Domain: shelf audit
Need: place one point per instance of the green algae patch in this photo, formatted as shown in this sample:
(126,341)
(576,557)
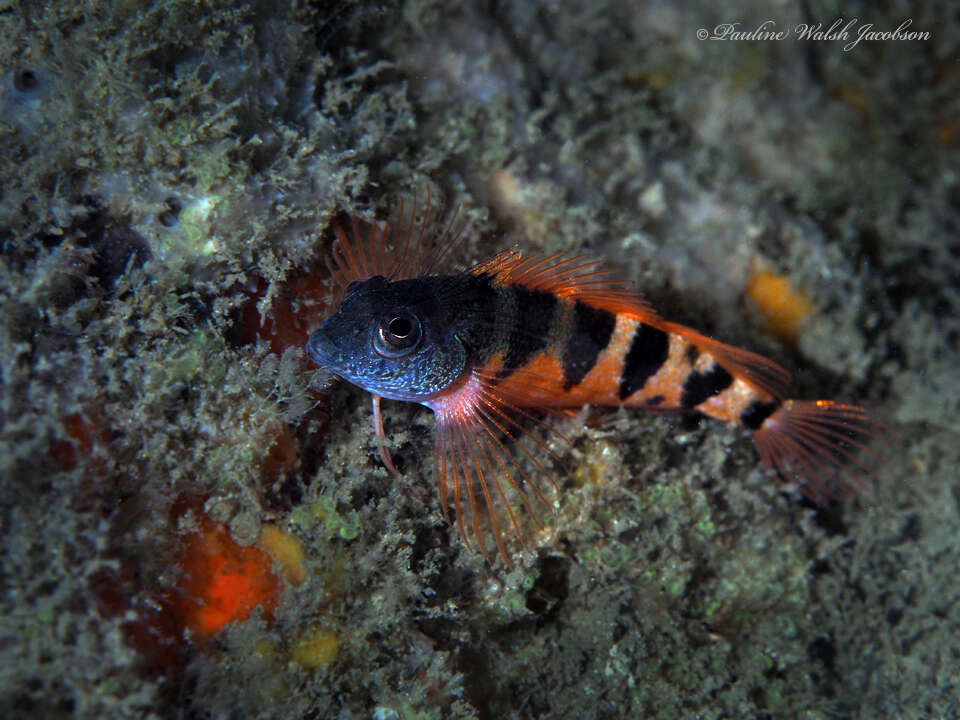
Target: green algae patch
(324,513)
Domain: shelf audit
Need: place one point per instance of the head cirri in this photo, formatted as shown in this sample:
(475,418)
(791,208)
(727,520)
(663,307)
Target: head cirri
(393,339)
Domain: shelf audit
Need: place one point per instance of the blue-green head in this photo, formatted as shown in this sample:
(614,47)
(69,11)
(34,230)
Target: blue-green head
(394,339)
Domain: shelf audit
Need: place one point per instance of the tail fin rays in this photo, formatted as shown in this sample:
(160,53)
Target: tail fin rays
(822,446)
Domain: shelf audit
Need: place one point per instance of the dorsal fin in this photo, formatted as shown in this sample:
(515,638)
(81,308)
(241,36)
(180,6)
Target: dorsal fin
(762,373)
(400,248)
(577,277)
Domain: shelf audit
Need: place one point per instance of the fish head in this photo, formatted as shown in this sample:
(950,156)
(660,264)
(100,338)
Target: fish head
(393,339)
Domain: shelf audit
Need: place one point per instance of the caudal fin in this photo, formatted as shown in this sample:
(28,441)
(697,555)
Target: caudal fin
(822,446)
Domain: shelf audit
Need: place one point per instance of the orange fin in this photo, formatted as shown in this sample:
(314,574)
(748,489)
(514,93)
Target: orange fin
(823,446)
(399,249)
(578,277)
(762,373)
(485,480)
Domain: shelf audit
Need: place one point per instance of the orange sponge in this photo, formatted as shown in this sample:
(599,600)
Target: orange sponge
(223,581)
(783,307)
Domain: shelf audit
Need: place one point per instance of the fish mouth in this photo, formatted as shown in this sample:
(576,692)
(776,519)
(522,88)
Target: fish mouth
(320,348)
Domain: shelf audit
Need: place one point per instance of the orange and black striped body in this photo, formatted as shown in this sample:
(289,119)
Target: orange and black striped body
(553,351)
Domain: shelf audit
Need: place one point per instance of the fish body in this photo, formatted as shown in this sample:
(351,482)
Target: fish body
(484,347)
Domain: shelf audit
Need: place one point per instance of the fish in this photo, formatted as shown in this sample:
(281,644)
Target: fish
(496,349)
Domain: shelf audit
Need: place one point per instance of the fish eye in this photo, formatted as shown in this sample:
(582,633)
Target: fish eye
(397,336)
